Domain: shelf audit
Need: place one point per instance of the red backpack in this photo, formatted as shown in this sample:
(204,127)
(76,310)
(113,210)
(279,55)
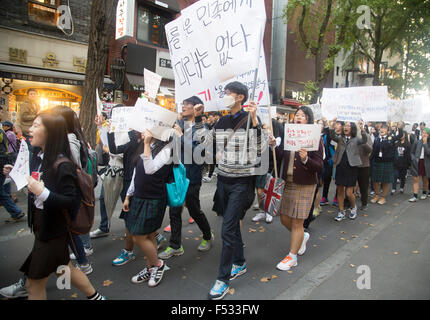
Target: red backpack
(84,219)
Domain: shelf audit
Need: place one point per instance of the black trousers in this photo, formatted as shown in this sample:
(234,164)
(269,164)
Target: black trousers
(192,201)
(363,184)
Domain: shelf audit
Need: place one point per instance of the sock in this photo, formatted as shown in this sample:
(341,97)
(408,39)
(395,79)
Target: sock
(294,256)
(424,191)
(416,195)
(95,296)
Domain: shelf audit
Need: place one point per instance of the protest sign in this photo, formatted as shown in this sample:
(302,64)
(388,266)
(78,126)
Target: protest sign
(21,169)
(212,42)
(405,110)
(263,114)
(302,136)
(121,117)
(103,132)
(150,116)
(152,82)
(347,104)
(99,103)
(316,109)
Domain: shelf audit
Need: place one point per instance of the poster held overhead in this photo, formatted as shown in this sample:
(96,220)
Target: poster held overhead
(152,82)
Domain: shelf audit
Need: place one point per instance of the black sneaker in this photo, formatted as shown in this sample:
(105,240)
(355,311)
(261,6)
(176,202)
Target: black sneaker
(363,207)
(156,274)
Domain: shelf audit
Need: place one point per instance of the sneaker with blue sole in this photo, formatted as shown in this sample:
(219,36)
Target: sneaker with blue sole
(237,271)
(124,257)
(218,291)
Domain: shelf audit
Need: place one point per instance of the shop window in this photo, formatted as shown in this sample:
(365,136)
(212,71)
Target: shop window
(43,11)
(150,26)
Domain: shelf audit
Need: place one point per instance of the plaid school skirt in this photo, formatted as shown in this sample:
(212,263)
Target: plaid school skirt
(297,200)
(145,215)
(382,172)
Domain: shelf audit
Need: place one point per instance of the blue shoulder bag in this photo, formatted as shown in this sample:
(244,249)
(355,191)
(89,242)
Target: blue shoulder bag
(177,190)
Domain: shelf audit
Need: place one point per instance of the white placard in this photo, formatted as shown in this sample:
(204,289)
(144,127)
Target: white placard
(405,110)
(103,132)
(263,114)
(152,82)
(212,42)
(302,136)
(21,169)
(347,103)
(121,118)
(316,109)
(99,103)
(150,116)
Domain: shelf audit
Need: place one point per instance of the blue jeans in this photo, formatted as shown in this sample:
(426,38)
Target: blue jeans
(231,197)
(5,199)
(78,249)
(104,222)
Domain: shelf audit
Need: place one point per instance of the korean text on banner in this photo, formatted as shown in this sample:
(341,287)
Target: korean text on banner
(121,118)
(347,104)
(21,169)
(152,82)
(157,119)
(405,110)
(214,41)
(302,136)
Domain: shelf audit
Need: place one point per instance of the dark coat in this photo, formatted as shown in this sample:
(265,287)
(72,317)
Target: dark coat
(304,174)
(64,195)
(415,157)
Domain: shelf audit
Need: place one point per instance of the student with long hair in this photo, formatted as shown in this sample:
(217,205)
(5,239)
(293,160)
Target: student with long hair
(53,194)
(80,244)
(301,171)
(347,159)
(420,165)
(145,204)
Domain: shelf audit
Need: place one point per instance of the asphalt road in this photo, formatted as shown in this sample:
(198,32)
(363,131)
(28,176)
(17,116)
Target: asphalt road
(391,242)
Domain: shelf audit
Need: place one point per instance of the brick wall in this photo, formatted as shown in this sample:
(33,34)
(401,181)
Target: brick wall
(14,14)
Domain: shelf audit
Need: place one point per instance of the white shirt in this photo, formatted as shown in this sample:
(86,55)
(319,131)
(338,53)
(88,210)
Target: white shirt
(39,200)
(151,165)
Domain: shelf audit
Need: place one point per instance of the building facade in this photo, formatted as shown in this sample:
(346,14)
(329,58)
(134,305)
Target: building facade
(36,53)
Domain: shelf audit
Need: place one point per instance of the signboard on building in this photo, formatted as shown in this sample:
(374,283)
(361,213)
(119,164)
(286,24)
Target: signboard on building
(124,19)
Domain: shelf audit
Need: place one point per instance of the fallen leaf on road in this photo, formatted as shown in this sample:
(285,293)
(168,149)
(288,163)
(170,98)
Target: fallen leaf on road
(107,283)
(330,211)
(21,230)
(416,251)
(265,279)
(261,229)
(257,223)
(184,277)
(315,246)
(347,240)
(343,232)
(252,230)
(365,215)
(352,265)
(190,231)
(231,291)
(290,272)
(342,239)
(196,238)
(388,211)
(324,236)
(366,247)
(74,296)
(121,239)
(186,238)
(371,225)
(274,277)
(198,258)
(400,223)
(396,253)
(396,204)
(355,280)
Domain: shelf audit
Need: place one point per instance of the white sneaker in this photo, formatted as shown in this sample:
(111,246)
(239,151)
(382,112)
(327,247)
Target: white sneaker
(286,264)
(413,199)
(340,216)
(259,217)
(98,233)
(16,290)
(353,213)
(207,179)
(88,252)
(423,197)
(303,247)
(269,218)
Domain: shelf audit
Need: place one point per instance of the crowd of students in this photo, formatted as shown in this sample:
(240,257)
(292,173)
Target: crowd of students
(356,156)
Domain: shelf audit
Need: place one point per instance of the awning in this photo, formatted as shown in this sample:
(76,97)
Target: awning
(135,79)
(13,71)
(291,102)
(165,91)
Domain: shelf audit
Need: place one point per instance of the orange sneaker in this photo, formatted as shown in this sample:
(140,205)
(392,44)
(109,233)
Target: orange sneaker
(374,199)
(190,220)
(167,229)
(286,264)
(382,201)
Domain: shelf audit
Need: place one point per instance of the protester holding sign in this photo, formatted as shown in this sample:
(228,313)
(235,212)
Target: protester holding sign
(50,192)
(383,155)
(236,178)
(300,172)
(146,203)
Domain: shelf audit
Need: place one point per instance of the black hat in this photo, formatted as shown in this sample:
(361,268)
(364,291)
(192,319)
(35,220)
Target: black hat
(8,123)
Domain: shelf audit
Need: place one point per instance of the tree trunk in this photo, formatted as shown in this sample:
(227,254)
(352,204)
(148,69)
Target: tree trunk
(101,28)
